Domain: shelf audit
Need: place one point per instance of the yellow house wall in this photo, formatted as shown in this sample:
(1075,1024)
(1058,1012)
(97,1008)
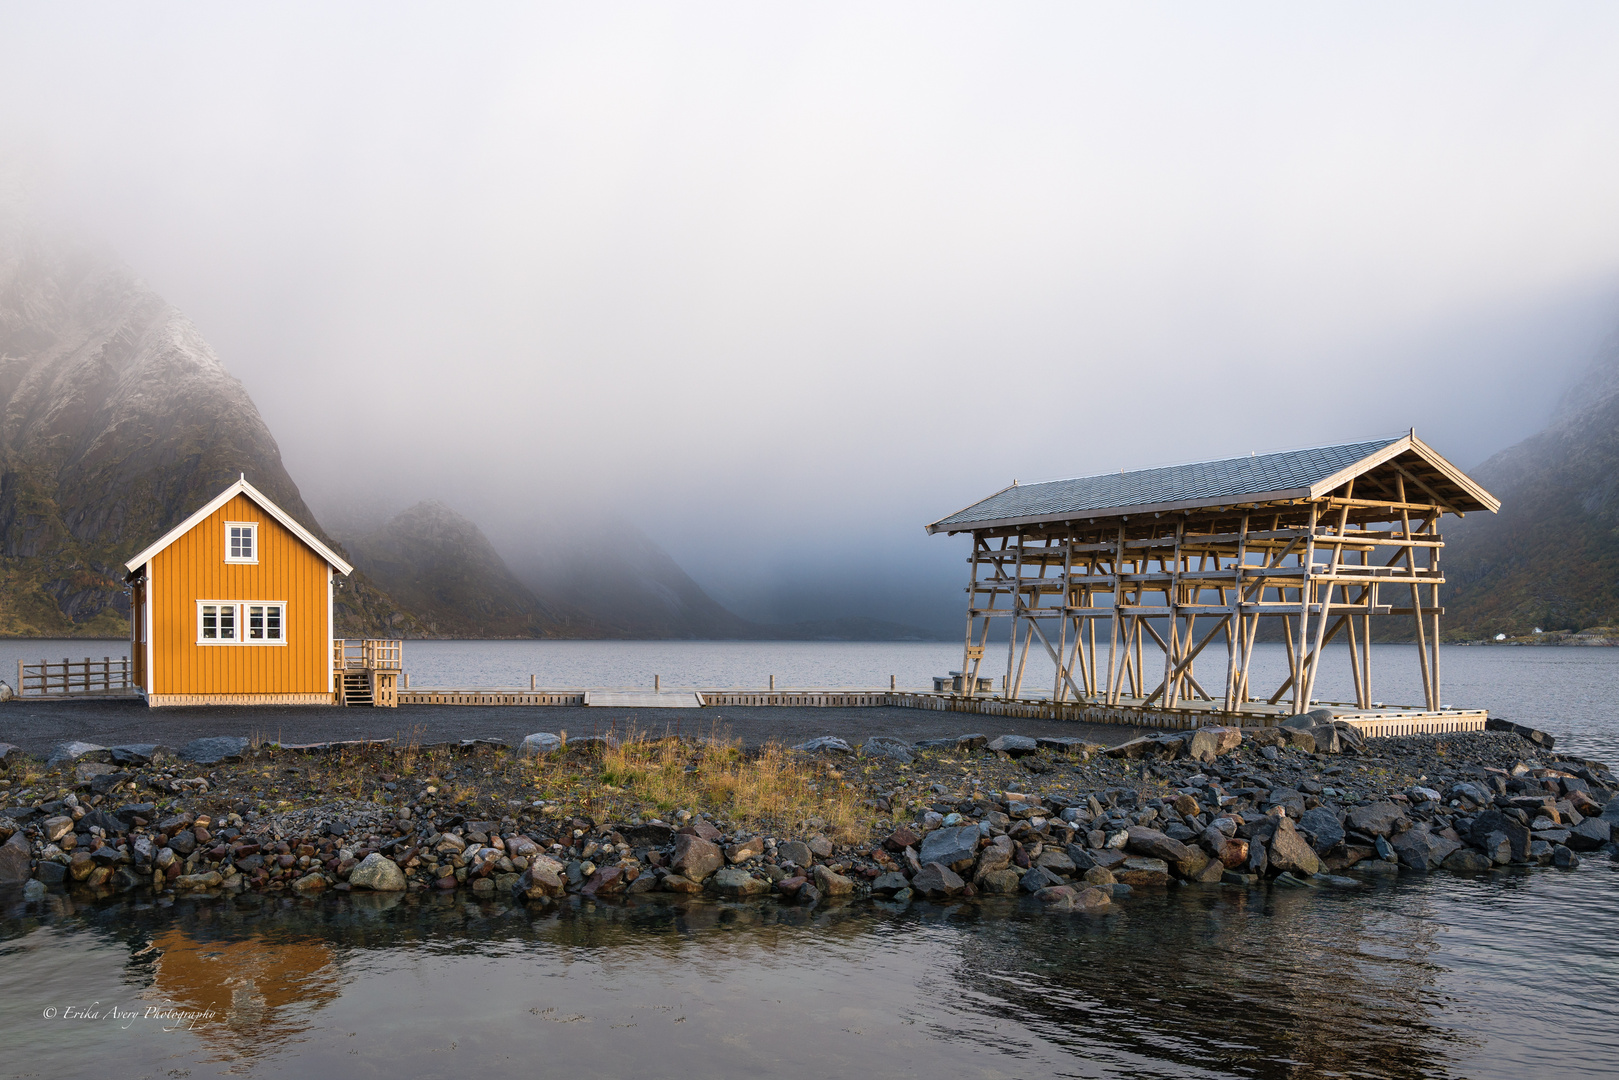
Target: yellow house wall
(193,568)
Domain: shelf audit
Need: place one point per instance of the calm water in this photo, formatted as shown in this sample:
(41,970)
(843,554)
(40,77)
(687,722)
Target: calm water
(1516,976)
(1421,978)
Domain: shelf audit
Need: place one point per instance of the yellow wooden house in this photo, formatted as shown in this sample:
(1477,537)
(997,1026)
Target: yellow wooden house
(234,607)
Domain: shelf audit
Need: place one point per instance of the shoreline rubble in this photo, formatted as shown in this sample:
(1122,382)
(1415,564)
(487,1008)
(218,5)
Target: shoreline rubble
(1075,826)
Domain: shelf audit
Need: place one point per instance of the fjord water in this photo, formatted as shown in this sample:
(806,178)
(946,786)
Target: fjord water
(1510,975)
(1428,977)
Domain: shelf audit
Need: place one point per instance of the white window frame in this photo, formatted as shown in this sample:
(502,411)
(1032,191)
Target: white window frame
(252,528)
(240,613)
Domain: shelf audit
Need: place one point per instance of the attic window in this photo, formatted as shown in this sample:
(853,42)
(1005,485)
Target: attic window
(241,542)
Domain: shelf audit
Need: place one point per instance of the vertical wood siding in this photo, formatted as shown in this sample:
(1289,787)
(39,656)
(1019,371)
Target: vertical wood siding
(193,568)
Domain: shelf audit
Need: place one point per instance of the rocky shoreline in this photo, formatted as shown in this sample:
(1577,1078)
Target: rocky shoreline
(1073,825)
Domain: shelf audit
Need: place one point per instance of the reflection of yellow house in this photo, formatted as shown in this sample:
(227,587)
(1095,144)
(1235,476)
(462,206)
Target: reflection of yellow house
(234,606)
(259,990)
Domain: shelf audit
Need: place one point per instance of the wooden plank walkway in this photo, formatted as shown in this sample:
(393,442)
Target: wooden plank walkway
(643,699)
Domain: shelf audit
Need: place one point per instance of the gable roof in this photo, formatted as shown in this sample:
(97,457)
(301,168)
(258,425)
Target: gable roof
(241,487)
(1290,474)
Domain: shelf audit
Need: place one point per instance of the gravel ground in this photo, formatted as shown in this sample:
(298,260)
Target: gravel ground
(37,726)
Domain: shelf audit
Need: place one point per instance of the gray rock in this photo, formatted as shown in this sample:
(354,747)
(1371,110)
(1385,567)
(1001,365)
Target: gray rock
(77,751)
(820,846)
(140,753)
(649,835)
(830,883)
(1288,799)
(1038,878)
(6,692)
(735,881)
(796,852)
(1589,834)
(937,882)
(1467,861)
(1014,745)
(214,749)
(975,741)
(33,890)
(50,872)
(1610,813)
(1289,854)
(995,856)
(1565,858)
(695,858)
(1375,819)
(1491,822)
(1208,743)
(15,860)
(889,884)
(1321,825)
(1312,732)
(1066,744)
(951,847)
(9,752)
(54,828)
(183,842)
(888,747)
(1057,862)
(539,744)
(1497,847)
(825,744)
(1421,850)
(1141,840)
(378,873)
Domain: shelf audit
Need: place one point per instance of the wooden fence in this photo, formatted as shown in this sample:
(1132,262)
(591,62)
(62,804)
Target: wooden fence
(74,678)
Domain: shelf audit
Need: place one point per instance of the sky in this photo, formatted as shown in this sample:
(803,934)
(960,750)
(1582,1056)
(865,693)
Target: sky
(781,283)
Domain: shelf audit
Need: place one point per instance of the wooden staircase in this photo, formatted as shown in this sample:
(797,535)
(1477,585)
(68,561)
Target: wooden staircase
(357,689)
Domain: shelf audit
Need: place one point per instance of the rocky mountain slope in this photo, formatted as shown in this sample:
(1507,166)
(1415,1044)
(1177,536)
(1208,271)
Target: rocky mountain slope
(1550,559)
(118,421)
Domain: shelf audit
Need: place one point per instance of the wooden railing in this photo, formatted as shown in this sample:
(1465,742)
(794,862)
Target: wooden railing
(74,678)
(366,654)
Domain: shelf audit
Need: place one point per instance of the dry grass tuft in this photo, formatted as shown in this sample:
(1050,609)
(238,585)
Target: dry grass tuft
(770,788)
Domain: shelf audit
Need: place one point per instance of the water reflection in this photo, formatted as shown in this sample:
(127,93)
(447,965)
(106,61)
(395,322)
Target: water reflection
(1189,982)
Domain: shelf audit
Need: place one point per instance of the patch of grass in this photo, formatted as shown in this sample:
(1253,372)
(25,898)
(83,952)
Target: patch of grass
(769,788)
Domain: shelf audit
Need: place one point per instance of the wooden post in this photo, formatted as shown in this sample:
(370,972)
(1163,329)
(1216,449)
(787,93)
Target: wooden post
(533,681)
(657,683)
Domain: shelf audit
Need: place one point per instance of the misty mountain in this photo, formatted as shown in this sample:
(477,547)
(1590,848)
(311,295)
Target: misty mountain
(438,564)
(623,581)
(119,421)
(1551,557)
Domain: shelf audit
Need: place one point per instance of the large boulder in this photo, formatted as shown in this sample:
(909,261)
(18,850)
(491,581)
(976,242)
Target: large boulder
(996,855)
(1014,745)
(1137,871)
(1491,822)
(1208,743)
(544,876)
(937,882)
(1159,747)
(1419,849)
(695,858)
(955,848)
(1322,827)
(735,881)
(378,873)
(539,744)
(77,751)
(888,747)
(214,749)
(831,883)
(1141,840)
(15,860)
(1288,853)
(1375,819)
(1589,835)
(825,744)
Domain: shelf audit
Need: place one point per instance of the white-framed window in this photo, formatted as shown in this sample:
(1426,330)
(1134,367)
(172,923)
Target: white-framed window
(235,622)
(241,541)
